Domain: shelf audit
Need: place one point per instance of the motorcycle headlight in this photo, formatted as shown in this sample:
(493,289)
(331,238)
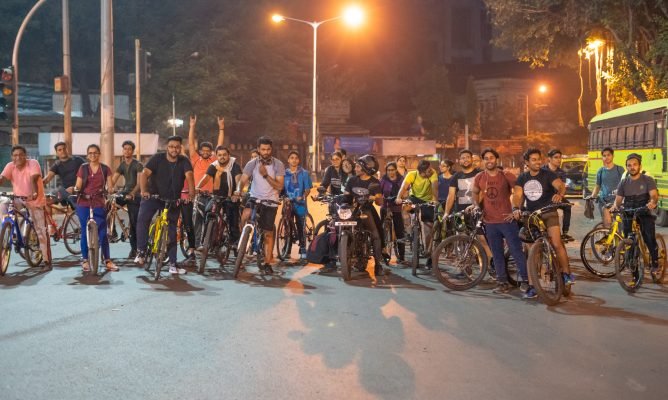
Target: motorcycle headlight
(345,213)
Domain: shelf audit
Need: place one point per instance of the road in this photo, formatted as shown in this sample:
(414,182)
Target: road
(305,335)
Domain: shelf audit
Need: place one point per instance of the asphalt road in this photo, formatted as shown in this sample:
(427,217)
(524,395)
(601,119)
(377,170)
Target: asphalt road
(304,335)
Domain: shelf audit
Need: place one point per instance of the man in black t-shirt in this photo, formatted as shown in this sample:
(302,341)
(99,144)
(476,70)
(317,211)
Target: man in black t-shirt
(129,168)
(164,175)
(540,188)
(65,168)
(639,190)
(225,173)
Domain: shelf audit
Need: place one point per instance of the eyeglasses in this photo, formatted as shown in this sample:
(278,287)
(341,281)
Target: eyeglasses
(94,153)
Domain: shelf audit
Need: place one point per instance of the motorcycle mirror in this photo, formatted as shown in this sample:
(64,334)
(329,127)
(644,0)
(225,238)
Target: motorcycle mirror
(321,190)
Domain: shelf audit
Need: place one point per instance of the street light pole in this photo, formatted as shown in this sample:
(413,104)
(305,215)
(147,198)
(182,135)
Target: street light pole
(527,113)
(173,115)
(67,73)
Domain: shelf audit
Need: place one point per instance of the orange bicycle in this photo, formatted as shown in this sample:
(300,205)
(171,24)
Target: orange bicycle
(69,229)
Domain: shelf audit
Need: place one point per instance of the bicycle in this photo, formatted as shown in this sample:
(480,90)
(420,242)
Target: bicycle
(92,235)
(24,241)
(252,236)
(69,229)
(632,255)
(459,261)
(597,250)
(216,238)
(417,241)
(390,235)
(115,221)
(287,232)
(158,237)
(545,273)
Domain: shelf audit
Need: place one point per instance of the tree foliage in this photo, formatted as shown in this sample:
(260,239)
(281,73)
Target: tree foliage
(552,31)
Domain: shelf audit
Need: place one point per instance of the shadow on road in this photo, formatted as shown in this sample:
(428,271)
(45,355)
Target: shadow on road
(593,306)
(169,284)
(277,281)
(89,279)
(28,276)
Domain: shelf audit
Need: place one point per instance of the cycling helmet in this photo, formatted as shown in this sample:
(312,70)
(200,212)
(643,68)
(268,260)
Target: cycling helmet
(636,156)
(368,164)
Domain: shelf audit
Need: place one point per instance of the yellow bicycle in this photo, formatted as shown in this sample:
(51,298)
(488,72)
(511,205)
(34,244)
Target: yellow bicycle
(158,237)
(597,250)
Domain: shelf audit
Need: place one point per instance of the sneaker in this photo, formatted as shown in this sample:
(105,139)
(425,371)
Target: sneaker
(111,266)
(85,266)
(524,287)
(386,258)
(173,269)
(569,279)
(501,288)
(140,259)
(133,254)
(302,253)
(530,293)
(566,237)
(266,269)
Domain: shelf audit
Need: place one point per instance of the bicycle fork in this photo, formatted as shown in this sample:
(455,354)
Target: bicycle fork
(249,243)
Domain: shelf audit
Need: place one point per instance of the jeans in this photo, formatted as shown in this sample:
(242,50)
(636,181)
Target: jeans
(511,232)
(370,224)
(647,230)
(187,219)
(100,217)
(147,210)
(398,222)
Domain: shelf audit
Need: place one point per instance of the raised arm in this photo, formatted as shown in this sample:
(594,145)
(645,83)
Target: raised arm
(221,131)
(192,142)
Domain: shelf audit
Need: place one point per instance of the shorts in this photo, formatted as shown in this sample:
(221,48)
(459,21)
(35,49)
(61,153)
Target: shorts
(266,217)
(550,219)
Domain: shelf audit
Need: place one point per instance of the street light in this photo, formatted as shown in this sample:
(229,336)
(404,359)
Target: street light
(352,16)
(542,89)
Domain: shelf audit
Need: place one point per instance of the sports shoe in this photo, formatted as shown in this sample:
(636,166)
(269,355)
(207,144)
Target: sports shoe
(501,288)
(530,293)
(566,237)
(140,259)
(386,258)
(302,253)
(111,266)
(569,279)
(85,266)
(173,269)
(266,269)
(524,287)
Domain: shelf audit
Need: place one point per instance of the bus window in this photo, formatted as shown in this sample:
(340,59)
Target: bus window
(639,137)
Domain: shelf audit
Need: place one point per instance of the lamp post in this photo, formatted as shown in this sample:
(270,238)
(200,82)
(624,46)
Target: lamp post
(542,89)
(352,16)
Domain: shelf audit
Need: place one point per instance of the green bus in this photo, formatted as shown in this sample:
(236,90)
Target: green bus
(639,128)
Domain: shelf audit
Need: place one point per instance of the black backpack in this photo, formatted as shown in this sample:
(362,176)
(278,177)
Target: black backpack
(322,249)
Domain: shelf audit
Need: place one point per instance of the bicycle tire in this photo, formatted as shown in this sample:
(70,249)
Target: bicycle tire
(345,257)
(259,256)
(320,227)
(242,249)
(183,237)
(284,239)
(309,229)
(32,250)
(388,237)
(93,243)
(599,258)
(112,232)
(539,268)
(209,233)
(5,247)
(224,247)
(512,270)
(415,256)
(72,234)
(457,268)
(149,248)
(163,241)
(628,261)
(661,248)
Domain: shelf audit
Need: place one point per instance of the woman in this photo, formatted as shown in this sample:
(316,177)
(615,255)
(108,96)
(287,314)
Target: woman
(401,165)
(390,184)
(347,166)
(334,175)
(445,179)
(93,179)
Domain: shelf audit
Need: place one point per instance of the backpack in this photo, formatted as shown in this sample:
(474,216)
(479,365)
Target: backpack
(323,248)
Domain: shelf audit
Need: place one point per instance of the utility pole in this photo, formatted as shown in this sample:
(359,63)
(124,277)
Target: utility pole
(107,83)
(138,96)
(67,72)
(173,115)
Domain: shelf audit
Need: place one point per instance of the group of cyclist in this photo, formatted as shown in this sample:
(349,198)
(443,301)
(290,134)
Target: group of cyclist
(479,184)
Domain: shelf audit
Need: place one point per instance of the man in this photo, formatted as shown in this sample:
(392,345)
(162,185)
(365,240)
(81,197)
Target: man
(476,160)
(554,164)
(129,168)
(423,185)
(225,173)
(491,192)
(607,181)
(201,159)
(638,190)
(365,178)
(66,168)
(268,175)
(297,187)
(164,175)
(462,183)
(26,178)
(540,188)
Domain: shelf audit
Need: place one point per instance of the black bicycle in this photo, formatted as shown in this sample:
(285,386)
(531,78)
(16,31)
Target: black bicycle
(216,238)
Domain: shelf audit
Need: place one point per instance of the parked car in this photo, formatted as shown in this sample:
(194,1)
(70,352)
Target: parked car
(575,169)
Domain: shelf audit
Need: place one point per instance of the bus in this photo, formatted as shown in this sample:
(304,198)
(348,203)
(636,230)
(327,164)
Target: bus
(639,128)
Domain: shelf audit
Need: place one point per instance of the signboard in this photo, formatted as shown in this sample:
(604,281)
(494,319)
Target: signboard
(408,147)
(352,145)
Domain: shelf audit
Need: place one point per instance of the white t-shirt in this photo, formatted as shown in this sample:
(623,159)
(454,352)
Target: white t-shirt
(261,189)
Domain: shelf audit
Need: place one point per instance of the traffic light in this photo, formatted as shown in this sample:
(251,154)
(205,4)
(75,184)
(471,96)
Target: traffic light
(7,86)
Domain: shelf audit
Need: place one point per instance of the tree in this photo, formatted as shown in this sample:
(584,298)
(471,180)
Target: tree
(434,101)
(472,108)
(552,31)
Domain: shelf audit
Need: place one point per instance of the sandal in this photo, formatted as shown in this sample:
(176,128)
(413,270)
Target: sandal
(85,266)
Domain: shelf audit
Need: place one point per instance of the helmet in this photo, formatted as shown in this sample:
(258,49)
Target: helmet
(368,164)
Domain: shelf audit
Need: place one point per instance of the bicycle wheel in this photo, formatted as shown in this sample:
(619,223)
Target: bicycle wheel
(149,248)
(388,238)
(72,234)
(224,245)
(597,252)
(545,272)
(242,249)
(182,237)
(32,251)
(93,246)
(309,229)
(416,250)
(5,246)
(112,230)
(160,257)
(322,225)
(207,241)
(345,255)
(661,247)
(629,265)
(284,239)
(459,262)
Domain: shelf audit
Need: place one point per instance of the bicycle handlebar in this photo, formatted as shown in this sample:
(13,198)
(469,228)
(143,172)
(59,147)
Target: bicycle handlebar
(13,196)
